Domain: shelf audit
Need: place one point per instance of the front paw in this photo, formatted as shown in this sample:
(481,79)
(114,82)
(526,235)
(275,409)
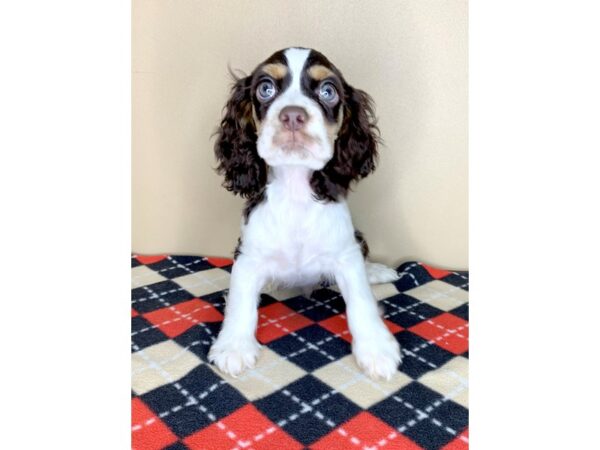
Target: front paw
(235,354)
(379,356)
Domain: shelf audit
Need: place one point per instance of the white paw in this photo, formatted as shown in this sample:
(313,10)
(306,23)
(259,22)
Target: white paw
(234,355)
(379,273)
(307,291)
(378,357)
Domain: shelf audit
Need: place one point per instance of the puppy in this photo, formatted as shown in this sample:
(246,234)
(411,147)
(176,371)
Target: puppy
(294,136)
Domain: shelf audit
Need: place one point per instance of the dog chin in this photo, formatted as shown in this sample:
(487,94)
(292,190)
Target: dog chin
(295,146)
(298,155)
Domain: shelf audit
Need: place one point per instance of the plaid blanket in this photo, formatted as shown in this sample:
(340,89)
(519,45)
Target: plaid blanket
(306,390)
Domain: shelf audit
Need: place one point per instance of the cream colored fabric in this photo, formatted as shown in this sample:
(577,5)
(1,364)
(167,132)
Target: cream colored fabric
(411,56)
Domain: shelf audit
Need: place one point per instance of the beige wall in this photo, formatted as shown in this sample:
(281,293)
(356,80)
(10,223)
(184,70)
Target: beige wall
(411,56)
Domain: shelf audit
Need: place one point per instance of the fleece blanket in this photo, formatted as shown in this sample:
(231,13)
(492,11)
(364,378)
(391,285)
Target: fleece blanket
(306,390)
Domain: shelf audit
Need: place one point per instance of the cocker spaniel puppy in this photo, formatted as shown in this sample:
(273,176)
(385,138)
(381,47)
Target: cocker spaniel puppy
(294,137)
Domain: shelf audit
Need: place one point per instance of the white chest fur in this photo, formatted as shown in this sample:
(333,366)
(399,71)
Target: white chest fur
(293,238)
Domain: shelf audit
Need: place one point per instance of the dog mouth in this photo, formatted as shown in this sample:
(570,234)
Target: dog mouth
(293,141)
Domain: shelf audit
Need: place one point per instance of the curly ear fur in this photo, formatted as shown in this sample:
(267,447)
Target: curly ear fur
(244,171)
(355,152)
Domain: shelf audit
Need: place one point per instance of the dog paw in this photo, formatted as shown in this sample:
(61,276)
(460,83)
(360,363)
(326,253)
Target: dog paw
(378,357)
(379,273)
(234,355)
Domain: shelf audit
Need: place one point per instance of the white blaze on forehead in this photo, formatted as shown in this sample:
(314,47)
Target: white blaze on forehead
(296,58)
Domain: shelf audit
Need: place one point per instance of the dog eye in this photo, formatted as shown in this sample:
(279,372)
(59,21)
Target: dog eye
(328,93)
(265,91)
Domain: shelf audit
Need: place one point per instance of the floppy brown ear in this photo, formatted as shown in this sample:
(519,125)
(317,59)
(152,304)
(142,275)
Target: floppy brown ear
(235,148)
(355,150)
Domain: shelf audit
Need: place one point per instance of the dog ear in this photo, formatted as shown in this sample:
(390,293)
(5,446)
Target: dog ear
(355,149)
(235,148)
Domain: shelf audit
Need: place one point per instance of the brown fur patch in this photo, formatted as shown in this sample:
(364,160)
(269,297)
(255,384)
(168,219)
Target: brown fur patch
(360,239)
(334,128)
(319,72)
(276,70)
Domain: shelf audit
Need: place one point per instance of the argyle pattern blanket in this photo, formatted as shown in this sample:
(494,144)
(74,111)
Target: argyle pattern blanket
(306,390)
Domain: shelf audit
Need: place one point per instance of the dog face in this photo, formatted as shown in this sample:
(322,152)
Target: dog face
(296,109)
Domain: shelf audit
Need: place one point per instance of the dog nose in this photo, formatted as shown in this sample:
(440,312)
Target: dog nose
(293,117)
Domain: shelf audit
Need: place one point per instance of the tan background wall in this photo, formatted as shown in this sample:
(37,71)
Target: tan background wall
(411,56)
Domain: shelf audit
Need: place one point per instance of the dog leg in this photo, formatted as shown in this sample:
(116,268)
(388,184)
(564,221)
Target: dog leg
(376,350)
(236,347)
